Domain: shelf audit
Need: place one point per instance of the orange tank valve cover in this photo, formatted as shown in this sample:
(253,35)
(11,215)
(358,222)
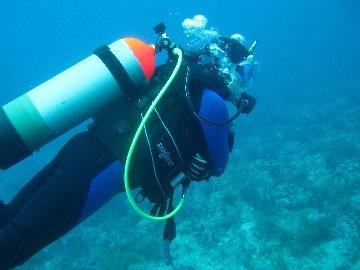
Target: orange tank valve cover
(144,53)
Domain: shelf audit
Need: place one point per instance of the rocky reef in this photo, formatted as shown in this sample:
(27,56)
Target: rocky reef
(290,199)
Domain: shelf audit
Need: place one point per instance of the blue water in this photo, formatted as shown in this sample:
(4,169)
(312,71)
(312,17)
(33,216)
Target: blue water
(290,198)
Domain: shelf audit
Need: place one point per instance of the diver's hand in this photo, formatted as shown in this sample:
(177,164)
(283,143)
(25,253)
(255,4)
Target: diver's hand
(245,103)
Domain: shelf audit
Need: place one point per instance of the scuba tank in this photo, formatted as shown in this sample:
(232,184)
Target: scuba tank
(71,97)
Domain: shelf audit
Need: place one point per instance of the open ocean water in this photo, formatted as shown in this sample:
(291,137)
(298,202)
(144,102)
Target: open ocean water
(290,197)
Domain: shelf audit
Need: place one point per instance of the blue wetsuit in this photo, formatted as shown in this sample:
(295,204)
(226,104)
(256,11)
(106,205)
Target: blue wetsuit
(84,176)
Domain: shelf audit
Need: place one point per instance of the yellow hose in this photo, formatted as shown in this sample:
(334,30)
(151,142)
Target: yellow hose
(130,154)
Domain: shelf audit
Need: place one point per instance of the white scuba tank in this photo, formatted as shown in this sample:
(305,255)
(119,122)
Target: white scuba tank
(57,105)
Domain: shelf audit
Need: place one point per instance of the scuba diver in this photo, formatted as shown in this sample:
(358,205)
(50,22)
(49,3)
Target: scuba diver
(186,138)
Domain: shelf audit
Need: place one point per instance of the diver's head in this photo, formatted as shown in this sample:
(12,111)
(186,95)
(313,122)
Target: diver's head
(230,61)
(221,63)
(224,61)
(233,47)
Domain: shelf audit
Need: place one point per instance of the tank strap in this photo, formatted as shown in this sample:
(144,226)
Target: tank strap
(117,70)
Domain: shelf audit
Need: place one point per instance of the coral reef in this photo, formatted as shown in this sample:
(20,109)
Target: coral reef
(290,199)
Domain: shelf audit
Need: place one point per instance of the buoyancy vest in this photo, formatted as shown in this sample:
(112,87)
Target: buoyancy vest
(171,136)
